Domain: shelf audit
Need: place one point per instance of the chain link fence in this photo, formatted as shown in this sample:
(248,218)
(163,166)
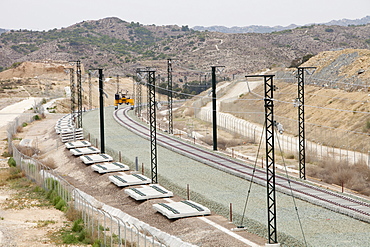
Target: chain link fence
(107,225)
(287,143)
(101,221)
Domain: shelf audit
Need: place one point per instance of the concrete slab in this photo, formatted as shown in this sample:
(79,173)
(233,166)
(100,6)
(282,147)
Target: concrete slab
(147,192)
(71,131)
(110,167)
(72,138)
(84,151)
(123,179)
(174,210)
(78,144)
(59,129)
(95,158)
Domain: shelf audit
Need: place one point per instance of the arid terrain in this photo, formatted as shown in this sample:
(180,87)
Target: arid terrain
(48,79)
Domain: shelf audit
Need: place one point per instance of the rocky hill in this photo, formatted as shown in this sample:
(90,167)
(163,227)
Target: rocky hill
(267,29)
(336,97)
(119,47)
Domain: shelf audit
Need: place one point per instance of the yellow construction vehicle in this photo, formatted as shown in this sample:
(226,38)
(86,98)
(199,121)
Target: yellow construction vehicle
(120,98)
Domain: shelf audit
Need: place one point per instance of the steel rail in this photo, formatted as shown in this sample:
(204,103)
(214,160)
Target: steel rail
(340,203)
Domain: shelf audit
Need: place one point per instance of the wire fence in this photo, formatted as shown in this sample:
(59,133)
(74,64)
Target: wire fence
(105,223)
(101,221)
(289,143)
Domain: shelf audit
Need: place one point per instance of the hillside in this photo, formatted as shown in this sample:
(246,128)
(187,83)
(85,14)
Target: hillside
(119,46)
(336,97)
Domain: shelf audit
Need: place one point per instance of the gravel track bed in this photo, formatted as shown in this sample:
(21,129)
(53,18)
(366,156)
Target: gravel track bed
(216,190)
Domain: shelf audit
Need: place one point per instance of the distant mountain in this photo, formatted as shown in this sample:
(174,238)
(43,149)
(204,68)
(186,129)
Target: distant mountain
(267,29)
(119,47)
(3,30)
(247,29)
(347,22)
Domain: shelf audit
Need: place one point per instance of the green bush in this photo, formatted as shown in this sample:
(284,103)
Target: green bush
(97,243)
(36,117)
(51,195)
(77,225)
(24,124)
(56,200)
(61,205)
(11,162)
(82,236)
(69,239)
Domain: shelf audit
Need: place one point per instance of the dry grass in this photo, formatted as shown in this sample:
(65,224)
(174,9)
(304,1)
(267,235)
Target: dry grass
(355,177)
(28,151)
(189,112)
(72,214)
(10,174)
(223,143)
(19,129)
(4,175)
(49,162)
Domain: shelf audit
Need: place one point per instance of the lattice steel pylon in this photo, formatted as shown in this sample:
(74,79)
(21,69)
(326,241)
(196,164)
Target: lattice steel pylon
(170,99)
(72,87)
(79,94)
(139,90)
(152,121)
(270,157)
(301,130)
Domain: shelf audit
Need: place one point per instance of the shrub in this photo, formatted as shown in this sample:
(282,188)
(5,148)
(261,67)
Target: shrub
(69,239)
(11,162)
(49,162)
(6,154)
(36,117)
(72,214)
(367,125)
(61,205)
(51,195)
(77,225)
(81,237)
(56,200)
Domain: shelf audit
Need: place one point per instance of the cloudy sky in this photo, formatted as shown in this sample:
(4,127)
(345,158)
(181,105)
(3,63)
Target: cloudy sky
(49,14)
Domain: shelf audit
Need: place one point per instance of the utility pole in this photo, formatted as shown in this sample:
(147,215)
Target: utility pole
(214,106)
(170,100)
(101,107)
(90,91)
(270,158)
(117,83)
(301,129)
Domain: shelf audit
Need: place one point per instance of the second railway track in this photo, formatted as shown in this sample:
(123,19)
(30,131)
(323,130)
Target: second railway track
(304,190)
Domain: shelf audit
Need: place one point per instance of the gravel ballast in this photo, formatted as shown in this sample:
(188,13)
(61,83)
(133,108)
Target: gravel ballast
(216,190)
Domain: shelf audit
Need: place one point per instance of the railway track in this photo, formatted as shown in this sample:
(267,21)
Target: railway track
(337,202)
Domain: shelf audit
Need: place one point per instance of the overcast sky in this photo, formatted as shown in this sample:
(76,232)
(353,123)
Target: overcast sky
(49,14)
